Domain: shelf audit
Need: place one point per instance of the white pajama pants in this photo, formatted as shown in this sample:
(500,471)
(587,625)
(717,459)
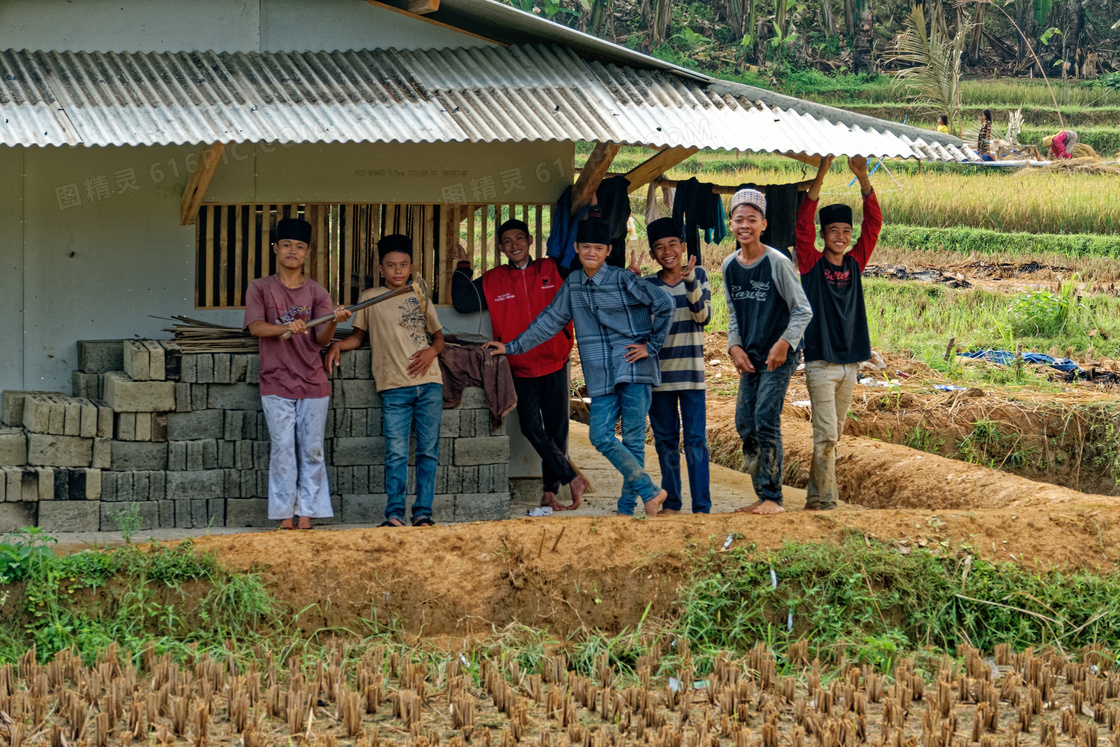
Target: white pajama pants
(297,467)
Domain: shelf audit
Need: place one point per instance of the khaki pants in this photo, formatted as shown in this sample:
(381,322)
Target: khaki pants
(830,391)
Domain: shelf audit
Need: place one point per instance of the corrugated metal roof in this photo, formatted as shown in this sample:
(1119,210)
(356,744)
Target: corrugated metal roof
(531,92)
(505,24)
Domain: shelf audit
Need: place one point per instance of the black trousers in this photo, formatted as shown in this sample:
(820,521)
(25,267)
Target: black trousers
(542,412)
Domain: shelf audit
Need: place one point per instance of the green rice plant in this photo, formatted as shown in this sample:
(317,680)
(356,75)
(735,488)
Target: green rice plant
(1011,92)
(1021,245)
(923,439)
(1041,312)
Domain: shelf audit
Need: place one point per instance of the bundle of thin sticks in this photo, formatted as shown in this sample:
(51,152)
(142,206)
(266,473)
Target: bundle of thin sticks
(197,336)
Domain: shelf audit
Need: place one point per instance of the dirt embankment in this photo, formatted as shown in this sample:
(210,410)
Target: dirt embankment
(874,474)
(562,574)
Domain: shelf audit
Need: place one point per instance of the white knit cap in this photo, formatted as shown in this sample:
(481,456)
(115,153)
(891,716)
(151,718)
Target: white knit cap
(751,197)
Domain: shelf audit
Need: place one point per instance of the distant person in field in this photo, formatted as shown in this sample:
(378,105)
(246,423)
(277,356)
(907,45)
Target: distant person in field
(678,404)
(984,139)
(1060,145)
(767,316)
(295,391)
(621,323)
(943,123)
(516,293)
(837,339)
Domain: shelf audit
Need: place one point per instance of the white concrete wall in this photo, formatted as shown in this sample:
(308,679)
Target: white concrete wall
(219,25)
(298,25)
(102,268)
(11,267)
(392,172)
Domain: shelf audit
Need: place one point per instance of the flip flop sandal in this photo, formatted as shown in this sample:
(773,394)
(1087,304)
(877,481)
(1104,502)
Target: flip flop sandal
(423,521)
(389,523)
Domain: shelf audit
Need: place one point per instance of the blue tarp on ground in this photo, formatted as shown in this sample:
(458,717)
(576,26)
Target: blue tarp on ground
(1007,358)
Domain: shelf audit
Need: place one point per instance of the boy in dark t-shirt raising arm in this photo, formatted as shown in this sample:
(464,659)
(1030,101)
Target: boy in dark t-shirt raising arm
(837,339)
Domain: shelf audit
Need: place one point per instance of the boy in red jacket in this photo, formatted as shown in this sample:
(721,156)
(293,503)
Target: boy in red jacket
(837,338)
(516,293)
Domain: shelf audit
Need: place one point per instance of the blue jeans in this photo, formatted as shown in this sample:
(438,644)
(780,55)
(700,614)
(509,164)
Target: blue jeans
(758,419)
(630,402)
(422,405)
(669,411)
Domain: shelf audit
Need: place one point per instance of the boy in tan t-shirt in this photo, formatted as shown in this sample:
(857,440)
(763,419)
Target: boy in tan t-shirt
(407,377)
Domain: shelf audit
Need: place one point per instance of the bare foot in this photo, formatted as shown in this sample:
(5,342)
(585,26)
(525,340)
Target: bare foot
(748,509)
(578,487)
(668,512)
(549,500)
(653,505)
(286,524)
(304,522)
(765,508)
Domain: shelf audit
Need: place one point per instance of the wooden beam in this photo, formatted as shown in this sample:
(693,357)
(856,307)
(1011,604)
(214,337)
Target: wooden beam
(648,170)
(208,159)
(421,7)
(597,166)
(814,161)
(405,12)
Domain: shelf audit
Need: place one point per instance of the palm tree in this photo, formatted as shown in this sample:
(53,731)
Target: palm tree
(932,76)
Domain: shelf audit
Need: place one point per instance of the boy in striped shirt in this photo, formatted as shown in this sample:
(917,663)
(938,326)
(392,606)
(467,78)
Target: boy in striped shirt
(679,401)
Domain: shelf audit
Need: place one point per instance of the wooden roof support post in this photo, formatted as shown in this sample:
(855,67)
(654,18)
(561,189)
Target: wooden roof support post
(648,170)
(193,195)
(597,166)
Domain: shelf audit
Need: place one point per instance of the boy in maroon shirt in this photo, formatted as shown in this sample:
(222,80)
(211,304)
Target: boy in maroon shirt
(295,392)
(836,340)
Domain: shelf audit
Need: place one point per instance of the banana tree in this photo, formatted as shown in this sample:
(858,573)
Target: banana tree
(863,55)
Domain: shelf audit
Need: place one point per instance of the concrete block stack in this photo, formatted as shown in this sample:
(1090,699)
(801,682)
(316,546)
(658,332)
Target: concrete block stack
(53,448)
(180,435)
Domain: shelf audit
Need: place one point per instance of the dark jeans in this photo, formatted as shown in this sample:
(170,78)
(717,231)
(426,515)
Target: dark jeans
(669,411)
(758,419)
(542,413)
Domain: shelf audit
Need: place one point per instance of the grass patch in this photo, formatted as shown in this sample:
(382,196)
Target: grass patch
(870,602)
(173,598)
(994,445)
(921,318)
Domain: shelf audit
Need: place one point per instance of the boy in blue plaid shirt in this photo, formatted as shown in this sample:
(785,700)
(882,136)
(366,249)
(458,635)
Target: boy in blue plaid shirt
(621,323)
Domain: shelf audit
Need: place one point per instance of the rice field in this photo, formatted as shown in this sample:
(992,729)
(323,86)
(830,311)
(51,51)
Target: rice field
(1036,201)
(1008,92)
